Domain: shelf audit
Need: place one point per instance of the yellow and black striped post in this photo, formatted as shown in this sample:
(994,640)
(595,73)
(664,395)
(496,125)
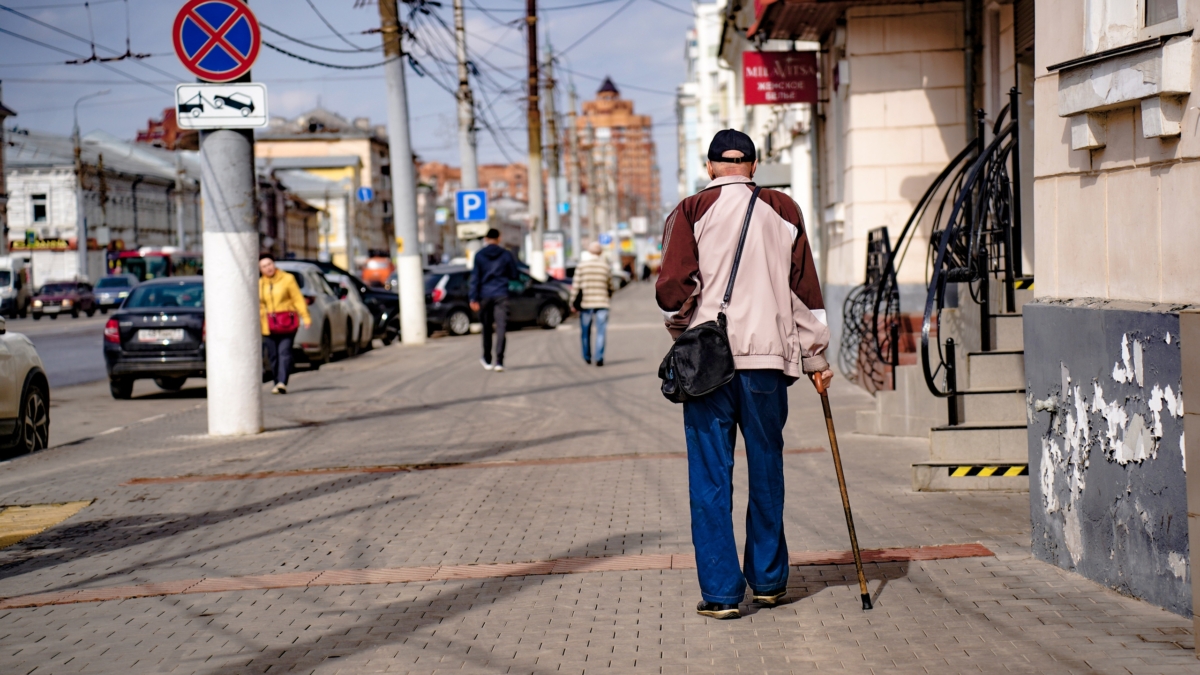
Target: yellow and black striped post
(837,465)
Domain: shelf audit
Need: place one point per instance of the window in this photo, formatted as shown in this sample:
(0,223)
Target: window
(39,207)
(1159,11)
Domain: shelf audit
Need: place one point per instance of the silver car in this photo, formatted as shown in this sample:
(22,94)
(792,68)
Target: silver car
(330,327)
(362,322)
(24,396)
(112,290)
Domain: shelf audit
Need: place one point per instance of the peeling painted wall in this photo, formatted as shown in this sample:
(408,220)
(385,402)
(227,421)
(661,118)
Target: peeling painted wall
(1108,498)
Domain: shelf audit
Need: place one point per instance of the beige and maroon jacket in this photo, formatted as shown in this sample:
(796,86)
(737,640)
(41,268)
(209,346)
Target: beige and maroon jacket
(776,315)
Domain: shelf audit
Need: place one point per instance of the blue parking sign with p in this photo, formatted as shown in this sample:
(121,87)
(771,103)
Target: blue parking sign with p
(470,206)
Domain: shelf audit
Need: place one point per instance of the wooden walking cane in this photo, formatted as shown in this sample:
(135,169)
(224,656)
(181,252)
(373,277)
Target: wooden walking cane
(837,464)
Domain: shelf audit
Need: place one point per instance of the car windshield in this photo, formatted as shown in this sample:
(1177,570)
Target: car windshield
(51,289)
(5,277)
(113,282)
(178,294)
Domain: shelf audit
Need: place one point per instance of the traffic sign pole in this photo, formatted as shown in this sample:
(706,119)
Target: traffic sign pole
(218,40)
(409,274)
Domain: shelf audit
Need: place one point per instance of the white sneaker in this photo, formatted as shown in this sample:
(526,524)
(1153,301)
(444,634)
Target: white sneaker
(498,368)
(485,364)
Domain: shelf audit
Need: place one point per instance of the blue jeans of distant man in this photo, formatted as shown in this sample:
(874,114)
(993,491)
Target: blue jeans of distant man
(586,318)
(756,401)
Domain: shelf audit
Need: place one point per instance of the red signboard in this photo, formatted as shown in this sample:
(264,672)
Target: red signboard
(774,78)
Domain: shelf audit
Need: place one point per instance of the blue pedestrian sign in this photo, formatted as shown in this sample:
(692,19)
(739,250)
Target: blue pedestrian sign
(605,239)
(365,194)
(470,206)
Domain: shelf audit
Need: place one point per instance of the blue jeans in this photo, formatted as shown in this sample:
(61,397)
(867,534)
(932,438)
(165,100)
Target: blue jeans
(756,401)
(585,327)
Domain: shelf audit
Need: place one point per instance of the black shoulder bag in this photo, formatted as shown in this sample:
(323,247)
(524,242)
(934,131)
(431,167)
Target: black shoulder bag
(701,359)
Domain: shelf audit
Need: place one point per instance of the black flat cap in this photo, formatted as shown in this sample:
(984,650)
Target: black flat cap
(731,139)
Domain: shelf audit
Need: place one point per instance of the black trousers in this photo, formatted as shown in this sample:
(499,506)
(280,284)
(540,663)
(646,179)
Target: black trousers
(494,310)
(279,351)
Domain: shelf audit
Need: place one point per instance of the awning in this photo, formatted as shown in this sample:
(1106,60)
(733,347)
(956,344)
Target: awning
(809,20)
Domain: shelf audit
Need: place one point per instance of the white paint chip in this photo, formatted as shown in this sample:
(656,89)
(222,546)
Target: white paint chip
(1178,564)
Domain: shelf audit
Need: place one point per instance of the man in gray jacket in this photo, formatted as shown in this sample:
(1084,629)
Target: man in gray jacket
(777,331)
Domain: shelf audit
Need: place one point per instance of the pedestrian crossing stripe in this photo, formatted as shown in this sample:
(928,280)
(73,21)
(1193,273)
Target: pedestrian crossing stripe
(986,471)
(1022,284)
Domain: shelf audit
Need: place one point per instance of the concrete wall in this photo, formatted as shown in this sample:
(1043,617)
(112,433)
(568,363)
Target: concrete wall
(1107,476)
(1116,240)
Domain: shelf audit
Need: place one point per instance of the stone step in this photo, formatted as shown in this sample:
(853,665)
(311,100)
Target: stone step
(996,370)
(998,405)
(992,442)
(946,476)
(873,423)
(1009,335)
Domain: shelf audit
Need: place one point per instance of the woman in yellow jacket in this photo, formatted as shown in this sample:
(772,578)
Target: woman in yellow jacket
(281,308)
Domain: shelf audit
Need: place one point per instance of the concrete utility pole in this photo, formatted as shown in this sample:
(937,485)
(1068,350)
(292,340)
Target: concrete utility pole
(409,275)
(594,191)
(466,105)
(80,215)
(4,113)
(537,258)
(552,218)
(573,177)
(234,343)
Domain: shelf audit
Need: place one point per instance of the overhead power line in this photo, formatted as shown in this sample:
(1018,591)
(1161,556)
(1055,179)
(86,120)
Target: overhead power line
(356,50)
(331,28)
(314,62)
(102,65)
(597,27)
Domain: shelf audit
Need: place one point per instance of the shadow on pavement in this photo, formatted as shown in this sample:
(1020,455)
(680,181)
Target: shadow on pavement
(394,623)
(98,537)
(806,581)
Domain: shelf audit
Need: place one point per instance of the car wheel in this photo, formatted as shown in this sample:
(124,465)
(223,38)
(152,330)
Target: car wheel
(170,383)
(104,310)
(458,323)
(91,312)
(34,420)
(54,317)
(37,317)
(326,345)
(352,341)
(391,331)
(550,316)
(121,388)
(74,312)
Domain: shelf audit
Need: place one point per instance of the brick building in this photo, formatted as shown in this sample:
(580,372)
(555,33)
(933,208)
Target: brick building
(502,181)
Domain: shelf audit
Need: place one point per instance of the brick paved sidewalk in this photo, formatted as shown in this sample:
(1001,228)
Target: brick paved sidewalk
(401,406)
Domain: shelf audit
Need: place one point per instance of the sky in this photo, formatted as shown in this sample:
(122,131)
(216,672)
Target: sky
(641,45)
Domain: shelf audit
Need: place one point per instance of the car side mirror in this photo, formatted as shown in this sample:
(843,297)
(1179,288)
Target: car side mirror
(342,293)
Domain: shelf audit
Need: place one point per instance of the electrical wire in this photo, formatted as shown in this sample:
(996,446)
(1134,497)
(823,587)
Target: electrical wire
(551,9)
(322,63)
(331,28)
(315,46)
(62,5)
(598,26)
(102,65)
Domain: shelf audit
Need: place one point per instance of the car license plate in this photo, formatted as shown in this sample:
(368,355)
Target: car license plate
(51,309)
(160,335)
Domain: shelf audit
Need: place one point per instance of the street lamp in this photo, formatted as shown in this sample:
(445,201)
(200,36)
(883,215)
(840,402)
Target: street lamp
(80,220)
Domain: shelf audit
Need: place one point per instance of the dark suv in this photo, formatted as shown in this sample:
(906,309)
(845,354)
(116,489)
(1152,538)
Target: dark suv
(158,333)
(447,305)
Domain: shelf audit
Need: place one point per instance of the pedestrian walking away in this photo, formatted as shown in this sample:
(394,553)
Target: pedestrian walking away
(281,310)
(776,331)
(494,267)
(593,288)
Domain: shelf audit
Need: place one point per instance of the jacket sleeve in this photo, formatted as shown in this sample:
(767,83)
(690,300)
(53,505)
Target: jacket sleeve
(678,285)
(808,306)
(297,299)
(473,286)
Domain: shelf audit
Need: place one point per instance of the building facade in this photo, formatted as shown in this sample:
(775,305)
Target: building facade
(348,156)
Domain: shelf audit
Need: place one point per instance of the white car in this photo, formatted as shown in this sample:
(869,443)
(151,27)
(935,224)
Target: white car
(24,396)
(330,328)
(362,322)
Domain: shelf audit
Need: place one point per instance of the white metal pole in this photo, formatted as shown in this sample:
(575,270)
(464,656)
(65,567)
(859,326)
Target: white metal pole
(553,223)
(80,215)
(180,239)
(466,105)
(233,346)
(409,273)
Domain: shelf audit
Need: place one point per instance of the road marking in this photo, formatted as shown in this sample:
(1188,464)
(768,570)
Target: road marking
(401,575)
(432,466)
(151,419)
(110,431)
(19,522)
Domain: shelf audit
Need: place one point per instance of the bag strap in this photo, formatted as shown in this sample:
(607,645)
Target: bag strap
(737,257)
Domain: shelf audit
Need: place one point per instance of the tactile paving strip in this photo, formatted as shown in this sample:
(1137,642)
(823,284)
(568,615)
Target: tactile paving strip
(400,575)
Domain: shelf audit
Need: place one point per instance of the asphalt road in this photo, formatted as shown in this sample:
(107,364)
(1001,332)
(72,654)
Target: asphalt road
(70,348)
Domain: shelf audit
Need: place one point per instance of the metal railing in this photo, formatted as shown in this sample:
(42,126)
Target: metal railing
(973,213)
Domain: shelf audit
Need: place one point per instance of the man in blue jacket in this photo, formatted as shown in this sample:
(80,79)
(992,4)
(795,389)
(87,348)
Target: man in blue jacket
(494,267)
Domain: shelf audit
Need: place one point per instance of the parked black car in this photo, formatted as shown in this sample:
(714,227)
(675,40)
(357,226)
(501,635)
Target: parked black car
(384,304)
(157,333)
(447,305)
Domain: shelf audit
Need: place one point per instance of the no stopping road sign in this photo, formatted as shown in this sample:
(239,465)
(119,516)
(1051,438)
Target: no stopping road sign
(217,40)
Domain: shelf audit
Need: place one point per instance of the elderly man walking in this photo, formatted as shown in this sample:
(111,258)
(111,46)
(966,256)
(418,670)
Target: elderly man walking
(777,330)
(593,279)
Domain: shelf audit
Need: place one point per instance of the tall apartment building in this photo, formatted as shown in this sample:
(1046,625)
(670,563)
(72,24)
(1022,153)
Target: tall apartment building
(620,162)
